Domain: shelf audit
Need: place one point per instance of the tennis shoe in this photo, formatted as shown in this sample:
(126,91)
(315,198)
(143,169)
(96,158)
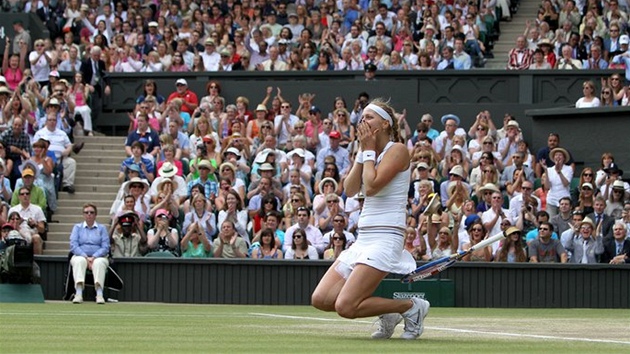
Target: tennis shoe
(100,299)
(77,299)
(386,325)
(414,318)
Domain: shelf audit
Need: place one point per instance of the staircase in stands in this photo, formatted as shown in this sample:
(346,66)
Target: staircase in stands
(96,182)
(509,31)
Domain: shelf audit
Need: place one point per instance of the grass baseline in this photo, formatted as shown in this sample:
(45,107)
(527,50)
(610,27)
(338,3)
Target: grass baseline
(157,328)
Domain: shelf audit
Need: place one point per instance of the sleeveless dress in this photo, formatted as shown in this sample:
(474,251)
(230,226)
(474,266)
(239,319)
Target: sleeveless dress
(380,240)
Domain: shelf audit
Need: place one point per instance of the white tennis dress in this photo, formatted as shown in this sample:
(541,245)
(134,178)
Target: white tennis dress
(380,241)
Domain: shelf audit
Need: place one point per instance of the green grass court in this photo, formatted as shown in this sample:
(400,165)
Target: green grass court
(133,327)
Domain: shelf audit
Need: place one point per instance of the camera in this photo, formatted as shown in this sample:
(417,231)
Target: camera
(203,150)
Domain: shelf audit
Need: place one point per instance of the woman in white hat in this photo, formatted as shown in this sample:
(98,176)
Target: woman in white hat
(384,171)
(557,179)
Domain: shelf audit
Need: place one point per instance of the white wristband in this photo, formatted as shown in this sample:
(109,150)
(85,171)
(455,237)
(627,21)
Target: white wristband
(359,158)
(369,155)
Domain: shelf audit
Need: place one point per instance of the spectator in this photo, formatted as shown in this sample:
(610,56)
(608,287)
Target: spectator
(127,237)
(169,172)
(544,249)
(590,99)
(557,179)
(561,222)
(588,247)
(566,62)
(339,228)
(163,238)
(229,244)
(232,210)
(543,159)
(299,246)
(520,57)
(195,244)
(189,98)
(61,146)
(89,246)
(143,131)
(30,172)
(311,233)
(94,73)
(617,248)
(32,215)
(511,249)
(147,168)
(268,248)
(603,222)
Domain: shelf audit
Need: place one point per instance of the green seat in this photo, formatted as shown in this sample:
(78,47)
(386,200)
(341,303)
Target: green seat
(575,182)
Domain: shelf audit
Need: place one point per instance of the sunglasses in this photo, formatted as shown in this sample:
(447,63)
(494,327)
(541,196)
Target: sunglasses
(476,229)
(297,237)
(543,229)
(89,212)
(25,193)
(338,239)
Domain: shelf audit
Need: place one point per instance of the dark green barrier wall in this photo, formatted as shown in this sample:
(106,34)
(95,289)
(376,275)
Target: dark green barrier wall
(262,282)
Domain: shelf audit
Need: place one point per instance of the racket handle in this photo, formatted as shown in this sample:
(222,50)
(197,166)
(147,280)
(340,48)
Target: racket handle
(489,241)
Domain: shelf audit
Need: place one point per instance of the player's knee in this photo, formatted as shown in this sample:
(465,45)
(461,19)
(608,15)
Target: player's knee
(346,309)
(318,300)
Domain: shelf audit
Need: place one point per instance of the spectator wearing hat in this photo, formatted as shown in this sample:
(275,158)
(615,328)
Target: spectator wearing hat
(61,146)
(31,214)
(211,187)
(168,171)
(589,246)
(508,145)
(615,200)
(211,58)
(189,99)
(143,131)
(557,179)
(444,142)
(146,166)
(613,174)
(137,188)
(370,72)
(314,124)
(266,170)
(226,63)
(456,174)
(163,238)
(59,106)
(543,159)
(127,237)
(342,156)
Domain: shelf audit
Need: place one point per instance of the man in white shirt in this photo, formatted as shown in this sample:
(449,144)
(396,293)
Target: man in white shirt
(62,147)
(283,124)
(210,57)
(33,216)
(313,235)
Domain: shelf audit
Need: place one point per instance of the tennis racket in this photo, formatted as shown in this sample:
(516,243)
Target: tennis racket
(438,265)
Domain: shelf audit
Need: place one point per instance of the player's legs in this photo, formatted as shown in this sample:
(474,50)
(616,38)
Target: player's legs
(355,298)
(326,292)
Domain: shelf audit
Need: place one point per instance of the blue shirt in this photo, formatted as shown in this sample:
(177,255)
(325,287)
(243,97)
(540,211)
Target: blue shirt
(533,234)
(210,187)
(89,241)
(154,139)
(342,158)
(130,161)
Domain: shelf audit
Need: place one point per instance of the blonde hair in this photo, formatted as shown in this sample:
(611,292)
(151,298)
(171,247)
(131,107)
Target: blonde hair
(394,131)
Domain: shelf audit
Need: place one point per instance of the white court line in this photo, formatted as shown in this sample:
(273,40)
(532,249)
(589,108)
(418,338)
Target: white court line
(505,334)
